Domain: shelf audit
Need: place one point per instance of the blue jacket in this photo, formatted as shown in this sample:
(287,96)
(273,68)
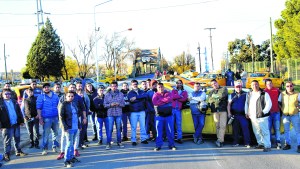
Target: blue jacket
(139,104)
(48,105)
(238,101)
(149,103)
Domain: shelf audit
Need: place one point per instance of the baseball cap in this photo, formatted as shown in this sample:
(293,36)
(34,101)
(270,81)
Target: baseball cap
(238,83)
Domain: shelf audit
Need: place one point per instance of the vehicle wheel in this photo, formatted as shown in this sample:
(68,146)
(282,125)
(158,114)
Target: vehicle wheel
(282,86)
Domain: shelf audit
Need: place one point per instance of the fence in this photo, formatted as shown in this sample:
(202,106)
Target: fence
(289,69)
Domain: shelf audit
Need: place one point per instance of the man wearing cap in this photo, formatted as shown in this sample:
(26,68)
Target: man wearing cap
(46,106)
(236,111)
(257,108)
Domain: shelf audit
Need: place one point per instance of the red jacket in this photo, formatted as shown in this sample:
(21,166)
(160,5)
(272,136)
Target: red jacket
(274,94)
(159,99)
(178,99)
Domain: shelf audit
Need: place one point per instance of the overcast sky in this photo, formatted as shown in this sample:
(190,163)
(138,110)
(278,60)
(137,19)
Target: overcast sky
(173,25)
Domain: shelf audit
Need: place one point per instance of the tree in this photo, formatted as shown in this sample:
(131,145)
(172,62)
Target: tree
(183,62)
(82,55)
(45,58)
(71,67)
(286,40)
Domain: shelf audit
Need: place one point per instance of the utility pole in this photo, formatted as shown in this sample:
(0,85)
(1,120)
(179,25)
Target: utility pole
(40,14)
(211,47)
(199,56)
(5,64)
(271,47)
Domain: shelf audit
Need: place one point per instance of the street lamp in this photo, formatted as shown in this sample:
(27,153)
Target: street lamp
(115,57)
(97,29)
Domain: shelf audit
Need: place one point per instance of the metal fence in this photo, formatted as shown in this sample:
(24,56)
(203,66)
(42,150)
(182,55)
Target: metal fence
(289,69)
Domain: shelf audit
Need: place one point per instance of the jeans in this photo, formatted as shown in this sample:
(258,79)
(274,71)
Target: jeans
(111,120)
(125,118)
(93,122)
(136,117)
(220,119)
(162,123)
(274,121)
(50,123)
(150,124)
(296,126)
(230,82)
(32,128)
(177,121)
(261,130)
(7,135)
(100,122)
(239,122)
(69,149)
(199,122)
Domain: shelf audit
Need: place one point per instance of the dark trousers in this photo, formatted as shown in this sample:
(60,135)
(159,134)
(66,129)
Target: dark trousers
(83,133)
(240,122)
(33,131)
(150,124)
(7,135)
(125,119)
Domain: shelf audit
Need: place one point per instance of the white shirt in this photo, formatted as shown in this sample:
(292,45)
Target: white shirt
(244,75)
(251,108)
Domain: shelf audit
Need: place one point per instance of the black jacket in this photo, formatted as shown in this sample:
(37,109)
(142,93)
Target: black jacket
(4,116)
(126,108)
(30,107)
(65,115)
(101,111)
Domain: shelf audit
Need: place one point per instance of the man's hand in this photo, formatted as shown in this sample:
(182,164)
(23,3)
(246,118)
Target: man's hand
(84,121)
(41,121)
(247,116)
(132,99)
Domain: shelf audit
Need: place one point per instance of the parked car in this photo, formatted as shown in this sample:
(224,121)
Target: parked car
(20,90)
(189,74)
(199,77)
(262,76)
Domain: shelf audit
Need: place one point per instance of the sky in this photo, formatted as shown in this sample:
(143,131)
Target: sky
(174,26)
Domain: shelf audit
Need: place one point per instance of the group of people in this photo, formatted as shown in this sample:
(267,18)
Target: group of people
(239,75)
(156,110)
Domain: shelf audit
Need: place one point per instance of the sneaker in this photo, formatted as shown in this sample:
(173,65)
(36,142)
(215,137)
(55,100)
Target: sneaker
(95,138)
(195,139)
(259,146)
(298,149)
(54,150)
(86,141)
(278,145)
(157,148)
(60,156)
(247,146)
(21,153)
(125,139)
(134,143)
(75,160)
(44,152)
(100,142)
(108,147)
(120,145)
(179,141)
(286,147)
(144,142)
(6,157)
(266,149)
(173,148)
(76,153)
(218,143)
(200,141)
(85,145)
(235,145)
(68,164)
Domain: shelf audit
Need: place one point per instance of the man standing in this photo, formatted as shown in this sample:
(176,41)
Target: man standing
(179,96)
(236,110)
(150,116)
(244,77)
(274,118)
(46,106)
(257,108)
(10,120)
(137,112)
(125,111)
(162,102)
(195,98)
(114,102)
(217,98)
(289,101)
(229,78)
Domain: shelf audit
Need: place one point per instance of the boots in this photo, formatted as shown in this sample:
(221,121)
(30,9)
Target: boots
(95,137)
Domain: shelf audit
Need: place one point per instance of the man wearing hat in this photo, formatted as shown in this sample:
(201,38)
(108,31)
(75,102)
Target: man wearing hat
(46,106)
(236,111)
